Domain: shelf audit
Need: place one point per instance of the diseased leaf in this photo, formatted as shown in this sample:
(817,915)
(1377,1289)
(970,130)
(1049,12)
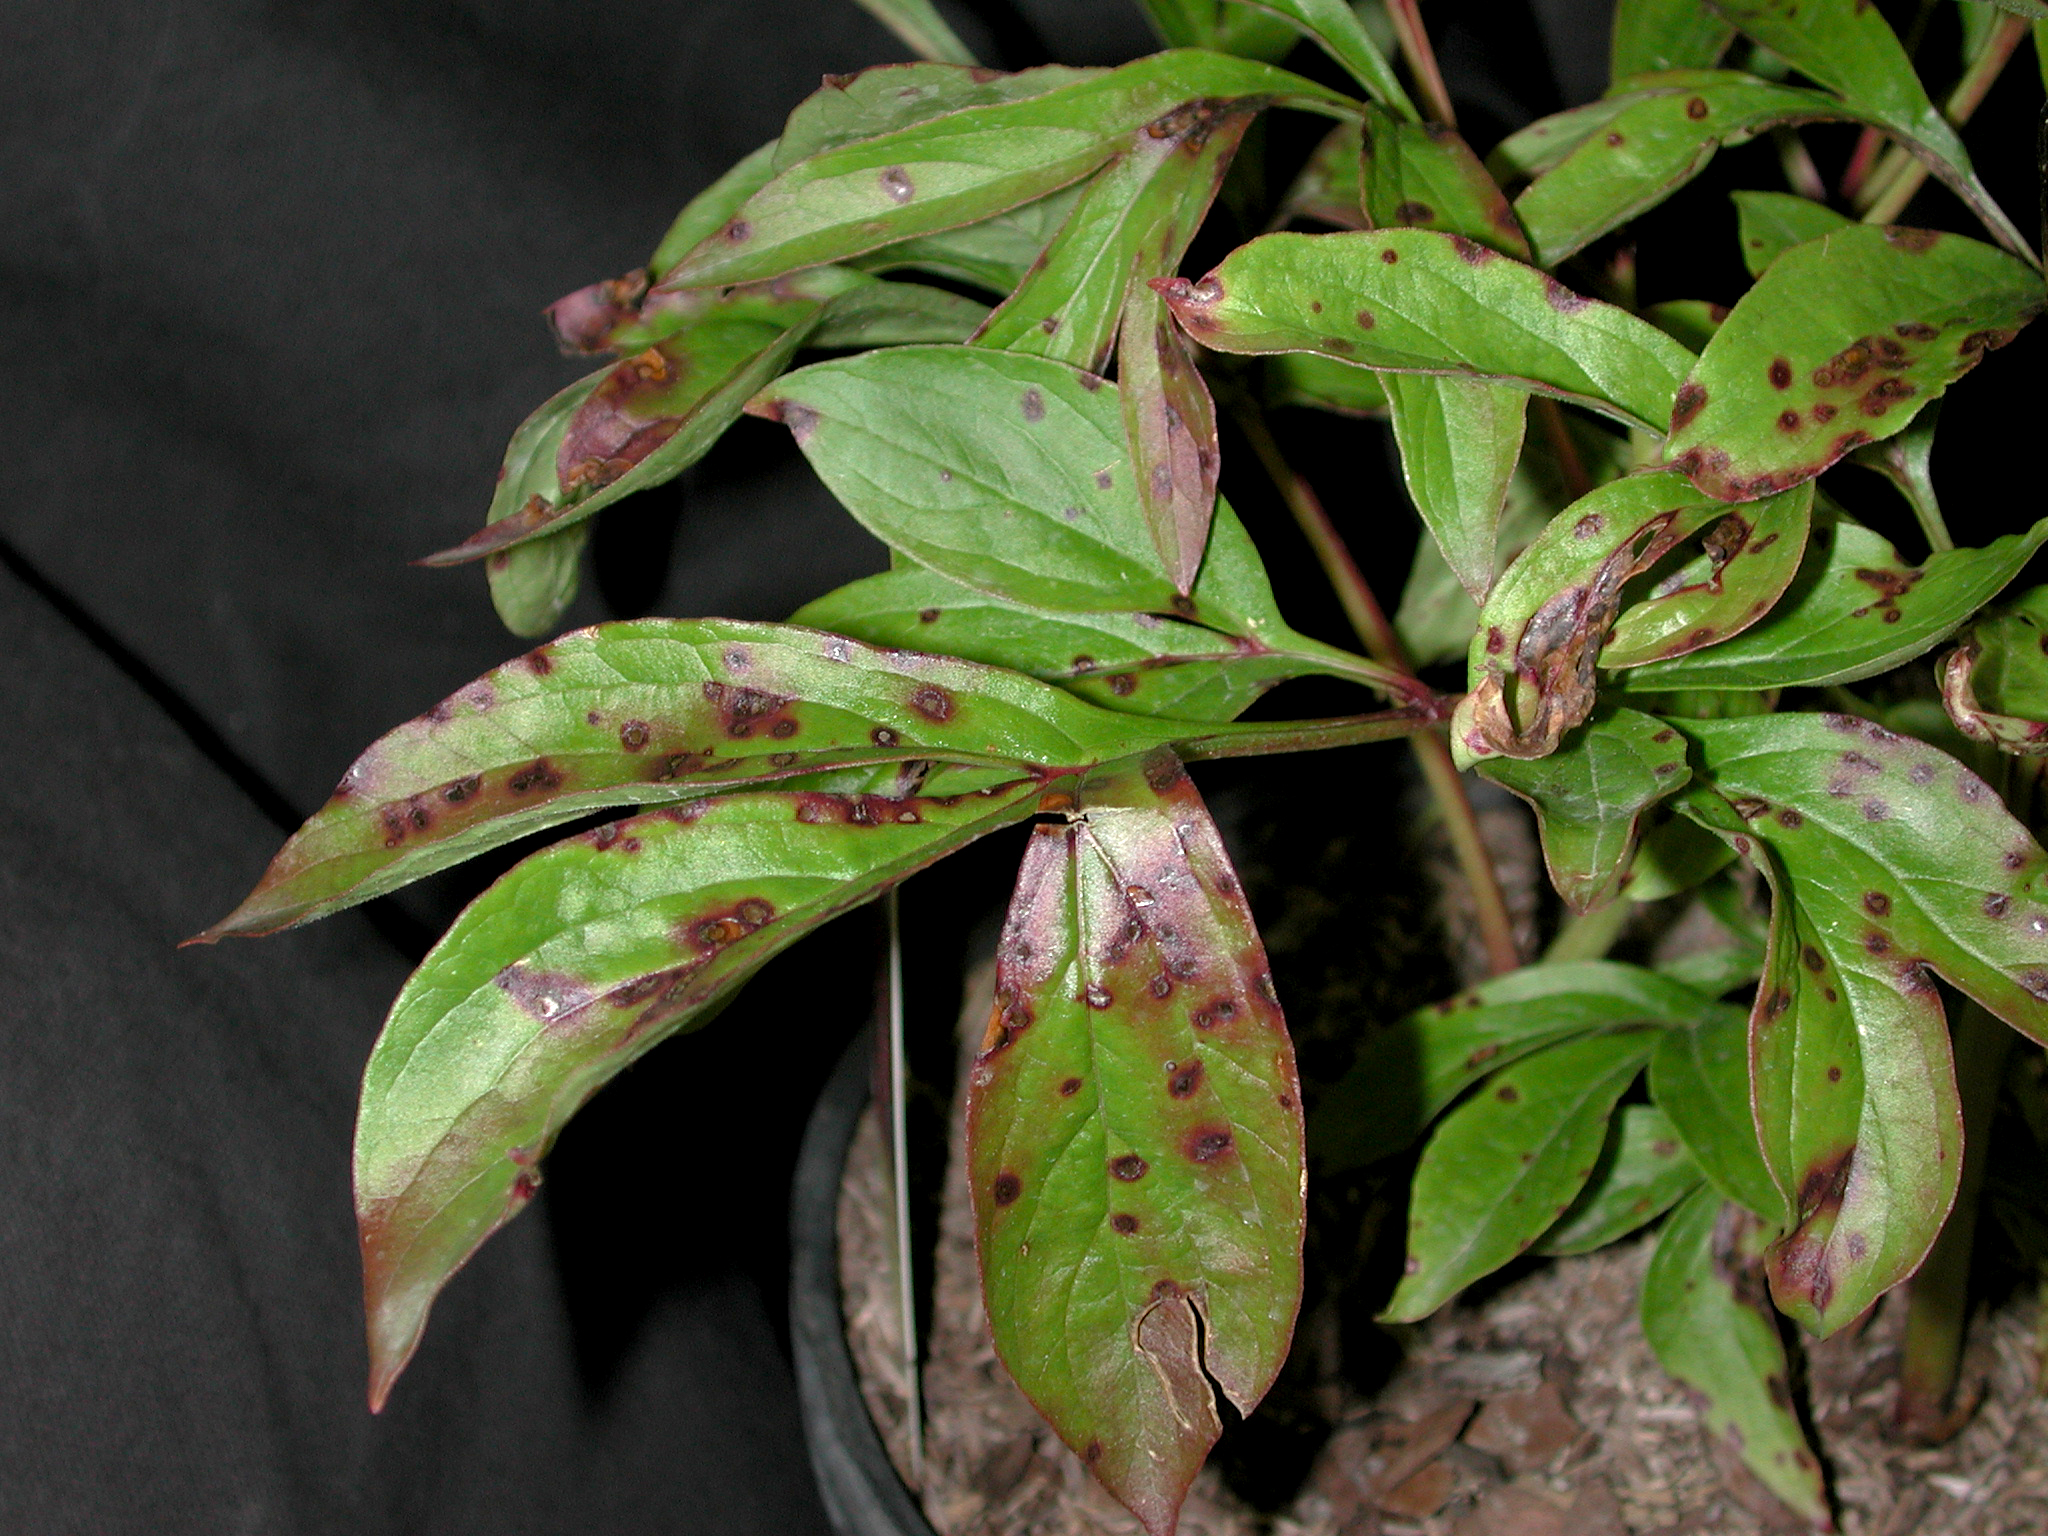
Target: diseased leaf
(1889,862)
(1590,796)
(1664,34)
(532,587)
(708,211)
(1838,343)
(1335,28)
(920,27)
(1848,46)
(897,314)
(1422,175)
(1417,301)
(1643,1171)
(1139,210)
(1409,1071)
(1533,658)
(1771,223)
(1705,1319)
(1995,684)
(1005,472)
(1505,1164)
(1749,559)
(1170,423)
(647,711)
(1662,138)
(570,968)
(888,98)
(1529,152)
(659,411)
(1699,1076)
(1125,661)
(1134,1140)
(994,254)
(1324,384)
(968,165)
(1854,609)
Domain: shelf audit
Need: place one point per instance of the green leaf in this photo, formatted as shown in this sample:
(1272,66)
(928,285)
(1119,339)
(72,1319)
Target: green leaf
(1660,140)
(1854,609)
(648,711)
(1335,28)
(1702,1317)
(921,29)
(1423,176)
(659,411)
(1529,152)
(1134,1140)
(1699,1076)
(897,314)
(532,587)
(1460,441)
(1689,322)
(1126,661)
(1995,684)
(1749,560)
(1327,189)
(1908,462)
(1889,862)
(968,165)
(1505,1164)
(1836,345)
(994,253)
(1007,473)
(566,971)
(1771,223)
(1664,34)
(1673,855)
(1541,631)
(1643,1171)
(708,211)
(1590,796)
(1409,1071)
(1324,384)
(887,98)
(1848,46)
(1140,210)
(1170,426)
(1441,304)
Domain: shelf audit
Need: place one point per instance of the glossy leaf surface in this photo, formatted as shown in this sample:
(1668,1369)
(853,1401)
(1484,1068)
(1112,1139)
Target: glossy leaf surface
(1590,796)
(531,587)
(659,411)
(1335,28)
(1702,1318)
(1530,151)
(1409,1071)
(1005,472)
(1423,176)
(1134,1140)
(1660,140)
(845,109)
(1748,560)
(967,165)
(1533,658)
(994,253)
(1139,210)
(1770,223)
(896,314)
(1890,862)
(1664,34)
(1324,384)
(1507,1163)
(1460,441)
(650,710)
(1854,609)
(1442,304)
(1170,424)
(1643,1171)
(1699,1076)
(566,971)
(1837,345)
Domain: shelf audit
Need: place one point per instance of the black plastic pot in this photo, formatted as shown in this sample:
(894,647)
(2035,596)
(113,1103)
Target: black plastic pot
(862,1493)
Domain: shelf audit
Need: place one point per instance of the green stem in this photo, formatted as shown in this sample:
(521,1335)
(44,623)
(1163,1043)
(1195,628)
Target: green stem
(1898,176)
(1938,1298)
(1414,39)
(1589,935)
(1369,620)
(1263,740)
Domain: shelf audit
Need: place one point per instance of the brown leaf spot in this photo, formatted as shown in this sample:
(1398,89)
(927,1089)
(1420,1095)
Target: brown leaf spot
(1097,996)
(1997,904)
(1033,406)
(1070,1087)
(462,789)
(1471,252)
(1877,904)
(1696,108)
(933,702)
(1875,810)
(1390,256)
(537,775)
(1365,320)
(1811,959)
(1876,943)
(1414,213)
(1791,819)
(1208,1143)
(1129,1168)
(1124,1222)
(1690,401)
(1834,1074)
(1185,1080)
(1006,1188)
(896,182)
(1788,421)
(1561,298)
(1508,1093)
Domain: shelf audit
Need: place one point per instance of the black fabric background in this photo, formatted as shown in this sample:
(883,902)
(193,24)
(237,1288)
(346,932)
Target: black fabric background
(270,276)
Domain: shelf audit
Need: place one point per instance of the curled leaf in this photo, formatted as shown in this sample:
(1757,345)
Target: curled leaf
(1995,684)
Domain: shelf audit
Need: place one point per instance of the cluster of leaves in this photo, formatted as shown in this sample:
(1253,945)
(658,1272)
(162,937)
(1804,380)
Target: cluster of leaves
(1072,613)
